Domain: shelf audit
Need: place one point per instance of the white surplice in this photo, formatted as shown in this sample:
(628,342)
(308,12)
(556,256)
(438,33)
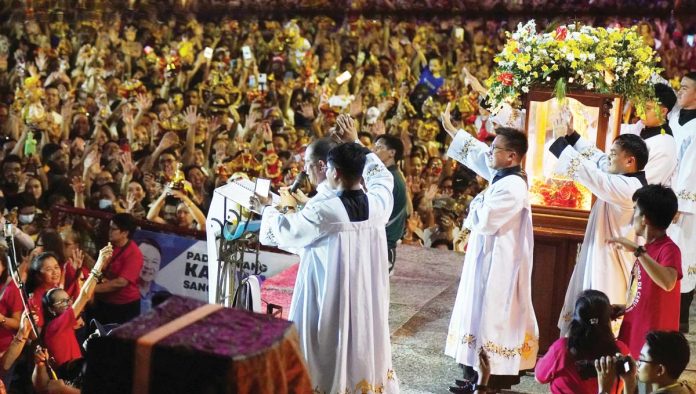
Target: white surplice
(493,309)
(599,266)
(340,303)
(683,232)
(662,157)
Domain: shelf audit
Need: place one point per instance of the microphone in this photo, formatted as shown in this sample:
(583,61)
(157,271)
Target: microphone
(298,182)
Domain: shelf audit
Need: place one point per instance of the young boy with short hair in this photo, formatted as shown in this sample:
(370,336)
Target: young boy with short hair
(653,294)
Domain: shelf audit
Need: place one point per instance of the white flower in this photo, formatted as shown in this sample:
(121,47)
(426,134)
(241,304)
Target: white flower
(591,57)
(570,57)
(583,57)
(571,80)
(525,89)
(590,86)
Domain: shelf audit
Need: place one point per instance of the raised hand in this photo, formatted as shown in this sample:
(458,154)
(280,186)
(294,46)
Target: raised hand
(127,115)
(41,61)
(92,161)
(379,128)
(356,107)
(78,185)
(431,192)
(143,102)
(168,140)
(447,122)
(307,110)
(191,115)
(346,128)
(126,161)
(78,257)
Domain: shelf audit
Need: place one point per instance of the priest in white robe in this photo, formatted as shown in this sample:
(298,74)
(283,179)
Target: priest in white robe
(340,302)
(493,310)
(682,121)
(655,130)
(612,179)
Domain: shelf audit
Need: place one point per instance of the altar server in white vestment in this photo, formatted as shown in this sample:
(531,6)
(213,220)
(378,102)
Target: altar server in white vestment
(654,129)
(682,120)
(612,179)
(340,303)
(493,310)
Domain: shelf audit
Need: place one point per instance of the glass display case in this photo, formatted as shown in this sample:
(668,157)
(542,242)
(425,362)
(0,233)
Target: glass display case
(596,117)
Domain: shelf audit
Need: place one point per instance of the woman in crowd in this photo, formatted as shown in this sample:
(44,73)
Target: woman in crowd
(568,365)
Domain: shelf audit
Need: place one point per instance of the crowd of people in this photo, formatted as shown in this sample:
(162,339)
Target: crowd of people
(143,112)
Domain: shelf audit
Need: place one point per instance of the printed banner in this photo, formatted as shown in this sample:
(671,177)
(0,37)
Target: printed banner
(179,265)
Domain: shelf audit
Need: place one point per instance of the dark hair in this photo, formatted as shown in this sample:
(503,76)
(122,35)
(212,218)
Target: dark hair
(48,150)
(669,348)
(392,142)
(634,146)
(442,241)
(34,273)
(657,203)
(26,199)
(691,75)
(515,140)
(125,222)
(321,148)
(150,242)
(665,96)
(349,160)
(590,335)
(52,242)
(12,159)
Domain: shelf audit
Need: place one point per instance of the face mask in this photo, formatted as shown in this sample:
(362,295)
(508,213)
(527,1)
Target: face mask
(26,219)
(104,204)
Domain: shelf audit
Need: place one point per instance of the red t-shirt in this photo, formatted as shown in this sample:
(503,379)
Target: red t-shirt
(558,368)
(10,302)
(126,264)
(649,307)
(60,338)
(71,275)
(36,304)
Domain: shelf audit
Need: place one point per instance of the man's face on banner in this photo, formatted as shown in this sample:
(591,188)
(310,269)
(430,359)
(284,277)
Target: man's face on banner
(151,262)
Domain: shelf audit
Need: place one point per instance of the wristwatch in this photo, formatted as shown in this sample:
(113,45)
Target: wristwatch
(639,251)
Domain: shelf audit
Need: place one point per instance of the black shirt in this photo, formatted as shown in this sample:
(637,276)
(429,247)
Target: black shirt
(355,202)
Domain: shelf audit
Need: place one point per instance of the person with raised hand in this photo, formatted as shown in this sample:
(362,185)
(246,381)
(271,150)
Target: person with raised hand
(498,264)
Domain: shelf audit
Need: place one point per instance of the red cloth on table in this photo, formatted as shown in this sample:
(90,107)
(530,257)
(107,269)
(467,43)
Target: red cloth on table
(649,307)
(558,368)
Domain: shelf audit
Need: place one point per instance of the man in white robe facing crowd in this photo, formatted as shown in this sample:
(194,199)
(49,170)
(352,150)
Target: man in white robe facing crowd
(340,302)
(493,311)
(612,179)
(682,121)
(654,129)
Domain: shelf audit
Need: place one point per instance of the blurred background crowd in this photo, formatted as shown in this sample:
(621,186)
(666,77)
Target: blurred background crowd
(107,106)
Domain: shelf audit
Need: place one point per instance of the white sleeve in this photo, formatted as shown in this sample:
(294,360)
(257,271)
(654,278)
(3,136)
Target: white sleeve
(290,231)
(612,188)
(685,181)
(472,153)
(592,153)
(379,183)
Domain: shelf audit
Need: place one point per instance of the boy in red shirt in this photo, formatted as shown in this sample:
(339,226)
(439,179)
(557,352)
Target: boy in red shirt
(653,296)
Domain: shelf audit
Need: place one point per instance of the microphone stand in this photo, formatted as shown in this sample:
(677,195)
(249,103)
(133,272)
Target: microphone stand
(17,279)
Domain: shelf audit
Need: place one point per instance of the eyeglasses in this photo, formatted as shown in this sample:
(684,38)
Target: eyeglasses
(63,302)
(493,148)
